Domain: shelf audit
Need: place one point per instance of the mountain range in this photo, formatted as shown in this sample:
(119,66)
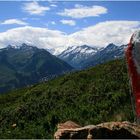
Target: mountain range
(76,55)
(25,65)
(84,56)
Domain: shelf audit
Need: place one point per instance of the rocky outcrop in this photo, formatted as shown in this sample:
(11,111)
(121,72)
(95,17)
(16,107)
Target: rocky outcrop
(108,130)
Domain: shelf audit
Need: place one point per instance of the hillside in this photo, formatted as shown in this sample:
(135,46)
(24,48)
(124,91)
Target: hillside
(24,65)
(92,96)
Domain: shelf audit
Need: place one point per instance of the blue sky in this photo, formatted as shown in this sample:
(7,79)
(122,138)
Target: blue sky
(67,23)
(117,10)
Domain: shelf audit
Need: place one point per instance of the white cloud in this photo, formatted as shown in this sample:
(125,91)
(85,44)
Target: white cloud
(103,33)
(53,22)
(68,22)
(53,5)
(33,8)
(14,21)
(78,6)
(81,11)
(100,35)
(41,37)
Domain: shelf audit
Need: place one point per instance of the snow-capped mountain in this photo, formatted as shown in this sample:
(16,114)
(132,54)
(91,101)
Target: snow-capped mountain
(75,55)
(85,56)
(110,52)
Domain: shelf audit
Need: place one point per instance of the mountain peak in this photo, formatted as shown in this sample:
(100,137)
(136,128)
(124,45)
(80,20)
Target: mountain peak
(79,49)
(11,46)
(111,44)
(22,46)
(25,46)
(75,55)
